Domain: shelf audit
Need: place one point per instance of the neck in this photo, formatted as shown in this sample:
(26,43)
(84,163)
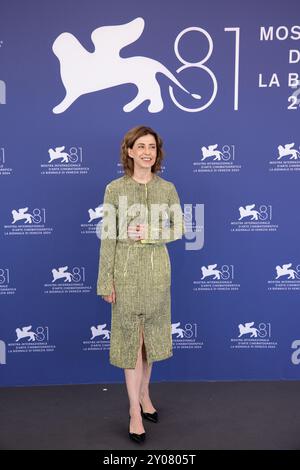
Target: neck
(142,176)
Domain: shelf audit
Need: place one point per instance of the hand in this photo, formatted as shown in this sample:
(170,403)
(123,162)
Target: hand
(110,298)
(136,232)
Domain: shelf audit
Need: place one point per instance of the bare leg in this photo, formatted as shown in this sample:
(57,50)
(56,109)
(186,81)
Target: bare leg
(133,379)
(144,391)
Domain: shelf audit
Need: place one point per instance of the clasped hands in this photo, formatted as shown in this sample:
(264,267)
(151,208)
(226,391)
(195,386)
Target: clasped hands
(137,231)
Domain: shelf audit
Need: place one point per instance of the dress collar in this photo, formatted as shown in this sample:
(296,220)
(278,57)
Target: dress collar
(133,181)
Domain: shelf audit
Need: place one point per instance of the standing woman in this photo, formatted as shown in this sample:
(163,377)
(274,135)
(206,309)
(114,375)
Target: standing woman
(142,213)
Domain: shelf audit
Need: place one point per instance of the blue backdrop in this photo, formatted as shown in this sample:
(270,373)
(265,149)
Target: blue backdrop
(68,71)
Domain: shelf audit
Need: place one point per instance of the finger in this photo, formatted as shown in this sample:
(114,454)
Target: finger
(134,234)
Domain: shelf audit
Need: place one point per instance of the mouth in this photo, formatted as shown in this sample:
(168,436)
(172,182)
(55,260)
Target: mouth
(147,159)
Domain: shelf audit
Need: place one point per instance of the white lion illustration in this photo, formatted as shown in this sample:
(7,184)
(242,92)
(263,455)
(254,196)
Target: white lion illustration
(211,151)
(177,331)
(25,333)
(248,211)
(248,328)
(288,150)
(285,270)
(85,72)
(58,153)
(211,271)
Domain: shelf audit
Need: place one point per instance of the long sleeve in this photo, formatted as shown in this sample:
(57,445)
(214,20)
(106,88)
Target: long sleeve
(176,227)
(107,244)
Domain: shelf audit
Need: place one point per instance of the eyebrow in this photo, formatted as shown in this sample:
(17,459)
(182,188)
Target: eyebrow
(142,143)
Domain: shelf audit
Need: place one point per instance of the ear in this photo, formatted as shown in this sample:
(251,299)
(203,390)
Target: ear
(129,152)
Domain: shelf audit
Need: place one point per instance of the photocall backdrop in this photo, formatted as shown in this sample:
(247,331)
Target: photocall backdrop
(218,80)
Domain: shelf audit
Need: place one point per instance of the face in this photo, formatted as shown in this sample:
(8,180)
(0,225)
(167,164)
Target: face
(144,151)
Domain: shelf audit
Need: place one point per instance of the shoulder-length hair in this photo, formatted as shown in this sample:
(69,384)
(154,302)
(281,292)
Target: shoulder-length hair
(128,142)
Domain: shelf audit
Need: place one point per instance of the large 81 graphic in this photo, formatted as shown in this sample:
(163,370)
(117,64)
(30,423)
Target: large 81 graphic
(114,70)
(201,65)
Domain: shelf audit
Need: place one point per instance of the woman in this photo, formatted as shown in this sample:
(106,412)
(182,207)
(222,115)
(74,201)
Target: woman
(142,213)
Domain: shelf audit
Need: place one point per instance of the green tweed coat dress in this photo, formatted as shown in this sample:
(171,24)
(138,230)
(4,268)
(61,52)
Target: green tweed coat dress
(140,270)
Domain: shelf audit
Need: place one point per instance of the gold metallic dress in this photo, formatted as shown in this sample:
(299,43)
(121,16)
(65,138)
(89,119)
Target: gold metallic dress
(139,270)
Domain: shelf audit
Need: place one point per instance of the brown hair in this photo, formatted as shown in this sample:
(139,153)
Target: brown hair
(128,142)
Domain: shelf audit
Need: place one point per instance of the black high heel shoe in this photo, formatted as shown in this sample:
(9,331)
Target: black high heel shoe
(138,438)
(150,416)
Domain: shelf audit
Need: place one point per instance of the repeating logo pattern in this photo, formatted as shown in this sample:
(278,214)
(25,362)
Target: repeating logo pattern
(67,280)
(26,221)
(29,339)
(6,282)
(287,158)
(254,218)
(216,278)
(155,87)
(250,335)
(187,336)
(215,158)
(62,161)
(286,278)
